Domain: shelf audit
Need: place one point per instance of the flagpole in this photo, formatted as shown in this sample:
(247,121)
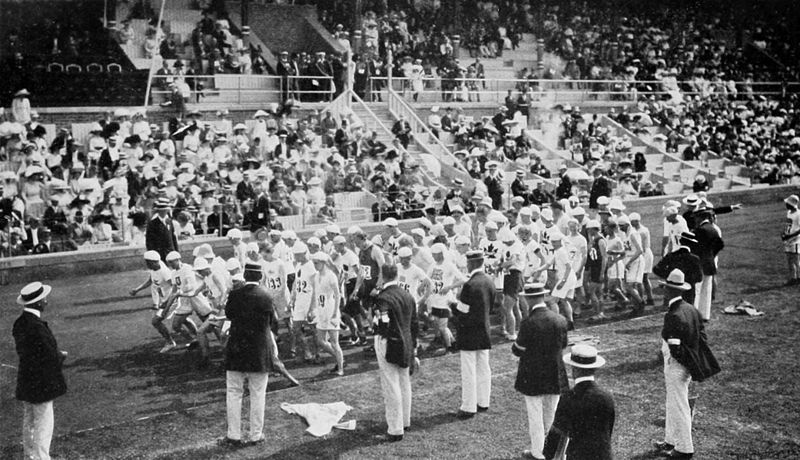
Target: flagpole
(153,59)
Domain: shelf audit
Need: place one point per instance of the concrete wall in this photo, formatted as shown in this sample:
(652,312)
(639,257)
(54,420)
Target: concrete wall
(73,264)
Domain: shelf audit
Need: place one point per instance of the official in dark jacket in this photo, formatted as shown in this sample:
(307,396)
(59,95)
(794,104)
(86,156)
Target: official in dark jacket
(709,244)
(541,377)
(160,234)
(585,414)
(250,312)
(472,337)
(39,376)
(685,355)
(395,347)
(682,259)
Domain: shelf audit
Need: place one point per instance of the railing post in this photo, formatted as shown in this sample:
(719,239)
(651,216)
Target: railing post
(456,46)
(239,92)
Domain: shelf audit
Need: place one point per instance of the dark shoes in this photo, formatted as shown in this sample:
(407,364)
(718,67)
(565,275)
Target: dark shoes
(463,415)
(668,451)
(390,437)
(662,446)
(257,442)
(482,409)
(230,443)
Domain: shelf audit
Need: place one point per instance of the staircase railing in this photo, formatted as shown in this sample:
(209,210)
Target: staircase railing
(398,106)
(377,123)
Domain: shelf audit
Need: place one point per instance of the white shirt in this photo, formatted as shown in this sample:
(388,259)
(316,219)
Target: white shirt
(303,285)
(441,275)
(792,226)
(160,283)
(411,280)
(33,311)
(588,378)
(673,233)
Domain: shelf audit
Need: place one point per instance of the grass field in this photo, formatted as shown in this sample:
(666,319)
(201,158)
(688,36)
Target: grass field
(126,401)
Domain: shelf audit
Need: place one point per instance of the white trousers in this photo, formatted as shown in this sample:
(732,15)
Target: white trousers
(396,385)
(541,412)
(678,427)
(257,384)
(37,430)
(702,299)
(476,380)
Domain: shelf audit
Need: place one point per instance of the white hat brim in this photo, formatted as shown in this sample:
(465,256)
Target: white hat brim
(45,292)
(599,362)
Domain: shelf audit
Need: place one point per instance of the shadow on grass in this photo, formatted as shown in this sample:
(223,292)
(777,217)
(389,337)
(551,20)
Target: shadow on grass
(102,314)
(644,330)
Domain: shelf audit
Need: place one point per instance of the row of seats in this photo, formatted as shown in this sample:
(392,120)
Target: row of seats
(94,67)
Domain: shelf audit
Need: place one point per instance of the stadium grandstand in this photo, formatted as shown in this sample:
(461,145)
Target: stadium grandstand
(258,116)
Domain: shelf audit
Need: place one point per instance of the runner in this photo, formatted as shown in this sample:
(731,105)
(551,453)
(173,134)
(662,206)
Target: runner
(189,300)
(301,304)
(160,282)
(325,300)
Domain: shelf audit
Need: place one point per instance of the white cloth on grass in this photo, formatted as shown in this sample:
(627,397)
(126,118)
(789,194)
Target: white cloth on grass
(321,418)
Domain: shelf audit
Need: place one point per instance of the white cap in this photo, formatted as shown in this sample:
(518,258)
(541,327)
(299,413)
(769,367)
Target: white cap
(670,211)
(333,228)
(339,239)
(623,220)
(320,233)
(390,222)
(232,264)
(491,225)
(173,255)
(438,248)
(319,256)
(634,216)
(234,233)
(355,230)
(602,200)
(152,256)
(579,211)
(547,214)
(419,232)
(200,263)
(526,211)
(449,220)
(314,240)
(594,223)
(535,209)
(252,247)
(288,235)
(461,239)
(299,248)
(405,251)
(506,236)
(556,236)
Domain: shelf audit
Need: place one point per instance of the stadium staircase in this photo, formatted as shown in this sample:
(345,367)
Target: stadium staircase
(722,174)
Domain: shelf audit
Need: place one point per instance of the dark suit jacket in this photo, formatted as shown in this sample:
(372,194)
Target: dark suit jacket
(402,327)
(160,237)
(39,378)
(259,216)
(709,244)
(585,414)
(683,322)
(250,312)
(686,262)
(472,328)
(540,344)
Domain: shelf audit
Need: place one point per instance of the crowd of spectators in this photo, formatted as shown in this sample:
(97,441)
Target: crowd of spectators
(645,42)
(214,172)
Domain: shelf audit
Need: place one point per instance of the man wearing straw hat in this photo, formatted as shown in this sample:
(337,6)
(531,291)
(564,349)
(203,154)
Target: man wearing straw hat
(160,234)
(39,376)
(686,358)
(791,238)
(541,377)
(585,413)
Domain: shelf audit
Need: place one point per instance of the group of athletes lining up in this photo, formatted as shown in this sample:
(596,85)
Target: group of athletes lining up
(326,285)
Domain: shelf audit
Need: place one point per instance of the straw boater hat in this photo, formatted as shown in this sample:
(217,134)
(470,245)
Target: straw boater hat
(162,203)
(676,280)
(534,290)
(584,356)
(32,293)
